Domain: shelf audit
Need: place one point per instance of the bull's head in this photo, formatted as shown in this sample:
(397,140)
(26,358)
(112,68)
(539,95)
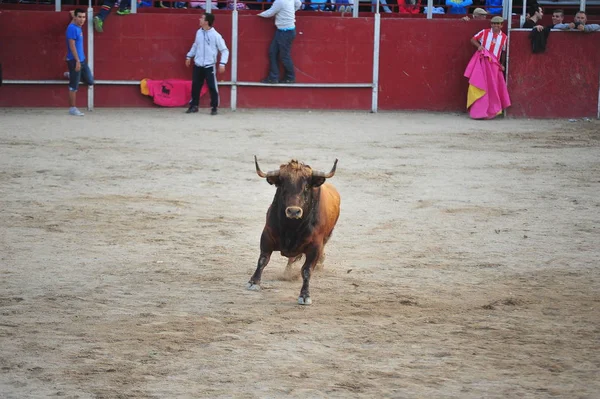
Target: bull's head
(295,183)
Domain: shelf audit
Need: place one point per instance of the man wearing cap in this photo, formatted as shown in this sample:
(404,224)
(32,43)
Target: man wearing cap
(493,40)
(478,13)
(487,94)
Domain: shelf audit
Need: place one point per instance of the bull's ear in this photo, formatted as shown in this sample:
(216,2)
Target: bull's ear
(316,181)
(273,180)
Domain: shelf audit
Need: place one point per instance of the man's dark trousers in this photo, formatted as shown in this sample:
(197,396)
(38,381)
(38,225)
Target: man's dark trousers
(200,75)
(281,46)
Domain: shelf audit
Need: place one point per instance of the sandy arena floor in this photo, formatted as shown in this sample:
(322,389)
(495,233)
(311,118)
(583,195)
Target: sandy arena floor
(465,263)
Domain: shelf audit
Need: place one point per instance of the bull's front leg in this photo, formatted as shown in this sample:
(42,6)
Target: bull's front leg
(267,245)
(263,259)
(309,265)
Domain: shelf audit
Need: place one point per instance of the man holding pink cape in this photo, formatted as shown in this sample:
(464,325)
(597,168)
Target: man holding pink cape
(487,95)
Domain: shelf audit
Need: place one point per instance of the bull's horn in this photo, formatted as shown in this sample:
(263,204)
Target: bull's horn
(263,174)
(326,175)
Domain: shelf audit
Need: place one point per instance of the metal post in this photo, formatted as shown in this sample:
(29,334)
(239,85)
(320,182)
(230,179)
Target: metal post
(355,8)
(508,29)
(375,88)
(133,6)
(429,9)
(523,18)
(234,54)
(90,57)
(582,5)
(57,5)
(208,5)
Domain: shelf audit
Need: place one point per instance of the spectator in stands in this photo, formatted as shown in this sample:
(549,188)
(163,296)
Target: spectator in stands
(207,44)
(409,6)
(478,13)
(580,24)
(105,10)
(558,17)
(383,4)
(344,5)
(537,14)
(458,6)
(495,6)
(78,68)
(281,46)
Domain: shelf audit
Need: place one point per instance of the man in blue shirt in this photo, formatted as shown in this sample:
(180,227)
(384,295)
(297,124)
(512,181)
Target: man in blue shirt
(78,68)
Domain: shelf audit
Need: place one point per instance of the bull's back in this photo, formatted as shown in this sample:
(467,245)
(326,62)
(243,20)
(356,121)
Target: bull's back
(330,208)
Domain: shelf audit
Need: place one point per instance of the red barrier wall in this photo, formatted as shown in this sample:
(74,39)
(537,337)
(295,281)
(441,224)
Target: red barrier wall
(562,82)
(421,62)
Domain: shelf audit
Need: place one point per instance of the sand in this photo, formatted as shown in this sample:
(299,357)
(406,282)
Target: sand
(464,263)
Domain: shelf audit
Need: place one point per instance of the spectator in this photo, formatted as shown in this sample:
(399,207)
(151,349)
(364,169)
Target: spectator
(383,4)
(344,5)
(458,6)
(537,14)
(281,46)
(240,5)
(558,17)
(78,68)
(207,44)
(478,13)
(494,6)
(580,24)
(409,6)
(435,10)
(105,10)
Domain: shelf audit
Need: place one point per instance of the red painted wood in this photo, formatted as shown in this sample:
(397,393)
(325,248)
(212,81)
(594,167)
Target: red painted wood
(421,62)
(562,82)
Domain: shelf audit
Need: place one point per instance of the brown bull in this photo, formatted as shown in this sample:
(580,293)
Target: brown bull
(300,219)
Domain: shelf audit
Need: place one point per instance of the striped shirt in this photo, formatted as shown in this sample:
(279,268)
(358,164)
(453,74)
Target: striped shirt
(495,44)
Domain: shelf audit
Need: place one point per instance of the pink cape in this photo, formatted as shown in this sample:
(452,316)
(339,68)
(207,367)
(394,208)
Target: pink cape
(488,94)
(171,92)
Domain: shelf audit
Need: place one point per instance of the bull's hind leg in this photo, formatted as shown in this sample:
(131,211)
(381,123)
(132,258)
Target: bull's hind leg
(309,264)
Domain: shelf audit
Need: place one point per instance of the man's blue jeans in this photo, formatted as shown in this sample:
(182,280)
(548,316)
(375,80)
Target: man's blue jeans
(281,47)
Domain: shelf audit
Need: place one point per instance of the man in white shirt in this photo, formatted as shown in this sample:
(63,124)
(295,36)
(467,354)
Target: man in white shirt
(207,44)
(281,46)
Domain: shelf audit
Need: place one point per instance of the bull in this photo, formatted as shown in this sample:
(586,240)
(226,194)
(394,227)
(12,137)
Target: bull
(300,219)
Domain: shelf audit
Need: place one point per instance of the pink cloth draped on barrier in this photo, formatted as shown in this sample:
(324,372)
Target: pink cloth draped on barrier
(170,92)
(487,95)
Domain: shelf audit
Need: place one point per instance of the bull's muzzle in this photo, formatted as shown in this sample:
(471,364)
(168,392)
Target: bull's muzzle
(293,212)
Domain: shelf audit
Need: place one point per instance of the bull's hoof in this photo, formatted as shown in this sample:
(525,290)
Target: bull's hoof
(253,287)
(304,300)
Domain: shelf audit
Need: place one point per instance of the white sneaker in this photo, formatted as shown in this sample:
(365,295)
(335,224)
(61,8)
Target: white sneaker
(75,112)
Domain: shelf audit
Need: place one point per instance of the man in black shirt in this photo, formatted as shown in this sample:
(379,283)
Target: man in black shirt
(536,13)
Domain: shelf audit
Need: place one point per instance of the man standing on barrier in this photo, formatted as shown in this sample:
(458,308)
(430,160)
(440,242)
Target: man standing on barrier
(78,68)
(281,45)
(204,52)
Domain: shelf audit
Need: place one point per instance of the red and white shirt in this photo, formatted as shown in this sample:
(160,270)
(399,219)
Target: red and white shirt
(495,44)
